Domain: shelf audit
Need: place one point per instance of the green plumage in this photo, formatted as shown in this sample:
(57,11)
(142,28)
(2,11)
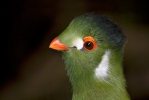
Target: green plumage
(81,64)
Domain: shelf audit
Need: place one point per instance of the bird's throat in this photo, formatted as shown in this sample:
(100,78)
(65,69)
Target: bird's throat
(86,86)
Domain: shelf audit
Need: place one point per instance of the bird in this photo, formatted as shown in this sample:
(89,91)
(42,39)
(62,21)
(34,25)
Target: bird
(92,49)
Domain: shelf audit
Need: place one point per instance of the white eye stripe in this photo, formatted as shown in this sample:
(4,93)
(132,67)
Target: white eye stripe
(101,71)
(78,43)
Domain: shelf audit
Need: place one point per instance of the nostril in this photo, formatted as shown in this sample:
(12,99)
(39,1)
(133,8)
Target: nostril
(74,47)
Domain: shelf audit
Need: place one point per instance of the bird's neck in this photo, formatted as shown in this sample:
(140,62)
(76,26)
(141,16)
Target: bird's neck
(87,87)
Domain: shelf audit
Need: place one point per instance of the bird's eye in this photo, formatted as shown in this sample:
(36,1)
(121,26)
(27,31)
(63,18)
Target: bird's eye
(89,43)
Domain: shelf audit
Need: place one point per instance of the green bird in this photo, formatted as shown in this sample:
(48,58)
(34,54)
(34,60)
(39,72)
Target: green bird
(92,48)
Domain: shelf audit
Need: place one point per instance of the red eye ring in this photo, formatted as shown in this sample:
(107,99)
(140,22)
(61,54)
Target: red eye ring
(89,43)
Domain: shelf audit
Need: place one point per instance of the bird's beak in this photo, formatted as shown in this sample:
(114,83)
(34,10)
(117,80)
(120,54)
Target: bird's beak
(57,45)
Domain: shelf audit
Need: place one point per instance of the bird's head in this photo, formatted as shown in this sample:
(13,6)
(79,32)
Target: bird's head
(88,40)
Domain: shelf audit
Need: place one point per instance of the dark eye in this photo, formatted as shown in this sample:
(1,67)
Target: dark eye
(89,43)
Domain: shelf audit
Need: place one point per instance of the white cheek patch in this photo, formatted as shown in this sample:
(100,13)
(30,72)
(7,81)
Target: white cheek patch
(78,42)
(101,72)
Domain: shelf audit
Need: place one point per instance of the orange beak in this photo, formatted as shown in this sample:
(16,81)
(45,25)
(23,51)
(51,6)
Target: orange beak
(57,45)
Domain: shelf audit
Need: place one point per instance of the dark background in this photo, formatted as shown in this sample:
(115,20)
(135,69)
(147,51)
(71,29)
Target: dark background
(31,71)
